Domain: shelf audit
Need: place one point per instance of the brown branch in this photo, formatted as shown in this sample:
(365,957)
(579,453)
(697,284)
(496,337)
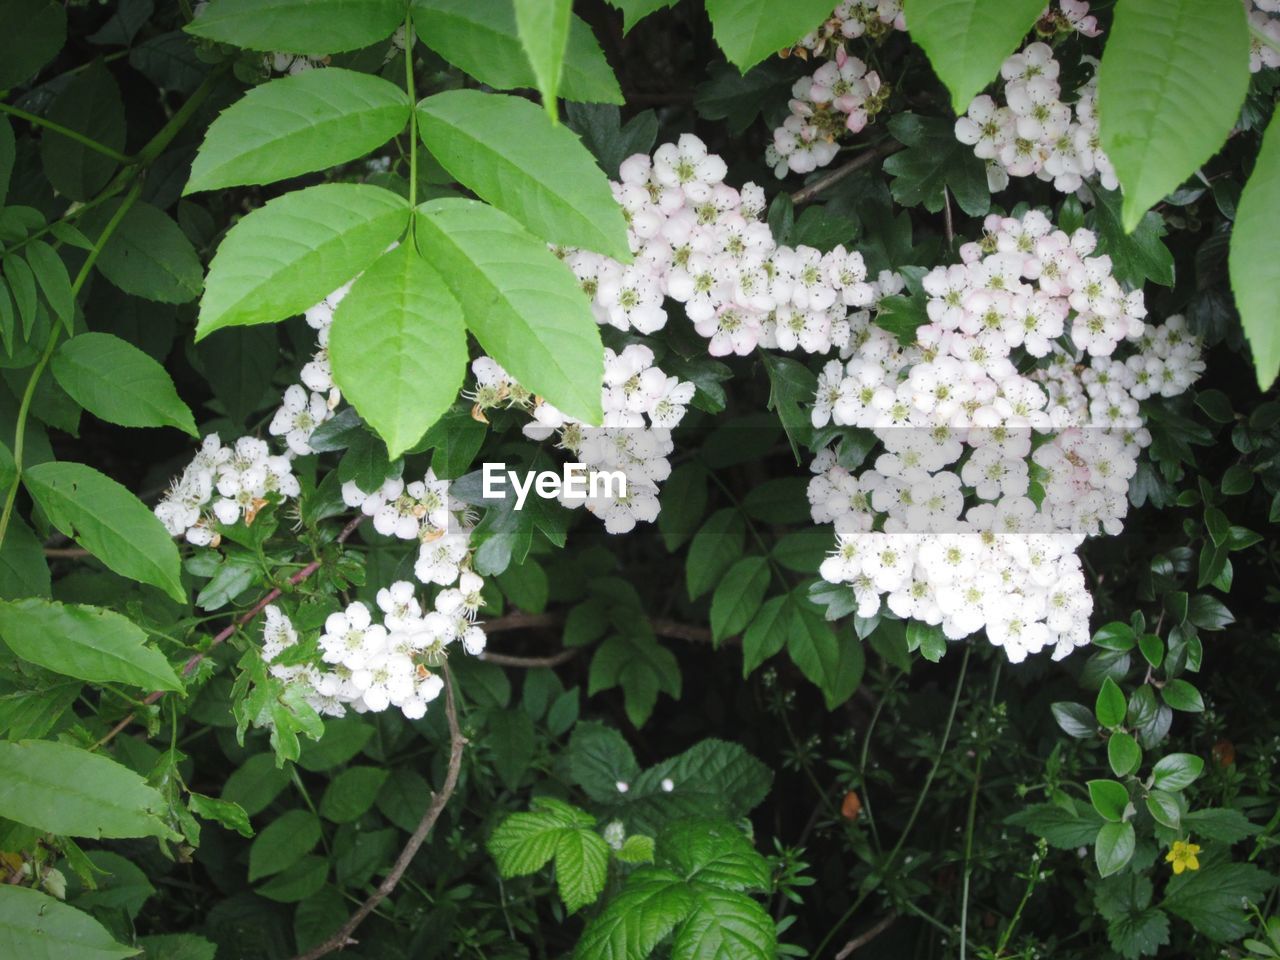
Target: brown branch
(69,553)
(828,180)
(862,939)
(530,663)
(229,631)
(343,938)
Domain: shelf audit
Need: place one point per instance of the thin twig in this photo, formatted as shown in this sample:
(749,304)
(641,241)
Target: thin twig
(862,939)
(947,225)
(69,553)
(530,663)
(457,742)
(529,621)
(828,180)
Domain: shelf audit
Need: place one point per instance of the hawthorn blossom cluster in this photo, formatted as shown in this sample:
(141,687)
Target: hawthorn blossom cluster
(1264,18)
(702,243)
(990,478)
(842,96)
(874,19)
(1035,133)
(370,666)
(642,405)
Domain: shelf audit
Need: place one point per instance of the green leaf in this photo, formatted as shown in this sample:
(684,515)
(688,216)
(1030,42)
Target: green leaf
(1219,823)
(725,925)
(31,34)
(513,744)
(88,104)
(1110,706)
(713,852)
(812,644)
(543,26)
(525,842)
(1138,255)
(599,759)
(398,347)
(1109,798)
(1139,933)
(230,815)
(51,273)
(282,843)
(108,521)
(582,865)
(309,27)
(750,30)
(480,37)
(1181,695)
(1255,274)
(294,125)
(1211,899)
(343,738)
(767,633)
(1116,635)
(255,784)
(1123,753)
(928,638)
(1170,85)
(1114,847)
(24,572)
(968,40)
(609,140)
(148,255)
(117,382)
(1062,828)
(637,848)
(633,11)
(713,550)
(1209,613)
(933,162)
(296,250)
(1177,771)
(1075,719)
(351,793)
(89,643)
(641,666)
(713,778)
(637,919)
(58,788)
(35,926)
(506,150)
(299,883)
(524,306)
(1164,808)
(738,597)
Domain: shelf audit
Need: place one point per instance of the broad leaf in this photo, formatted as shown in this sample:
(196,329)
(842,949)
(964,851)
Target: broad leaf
(31,34)
(85,642)
(62,789)
(1211,899)
(582,864)
(750,30)
(1170,85)
(1114,847)
(543,26)
(713,852)
(480,37)
(310,27)
(633,11)
(967,40)
(933,162)
(738,597)
(148,255)
(507,151)
(1255,270)
(1137,256)
(296,250)
(117,382)
(294,125)
(35,926)
(713,550)
(88,104)
(652,903)
(725,925)
(398,346)
(282,843)
(351,793)
(108,521)
(524,306)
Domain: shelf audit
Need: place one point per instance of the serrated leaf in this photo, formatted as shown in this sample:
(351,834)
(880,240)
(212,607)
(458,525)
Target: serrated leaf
(715,546)
(633,11)
(1255,274)
(507,151)
(715,853)
(480,37)
(750,30)
(148,255)
(117,382)
(738,596)
(89,104)
(310,27)
(1157,128)
(543,26)
(351,793)
(36,926)
(1138,255)
(294,251)
(108,521)
(967,40)
(230,815)
(524,306)
(767,633)
(1064,829)
(58,788)
(582,864)
(398,347)
(1139,933)
(933,162)
(1211,899)
(51,274)
(85,642)
(637,919)
(295,125)
(725,926)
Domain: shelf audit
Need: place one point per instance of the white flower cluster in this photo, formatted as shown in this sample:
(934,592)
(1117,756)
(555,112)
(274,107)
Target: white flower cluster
(642,405)
(841,97)
(701,242)
(1035,133)
(1264,19)
(873,19)
(991,478)
(373,666)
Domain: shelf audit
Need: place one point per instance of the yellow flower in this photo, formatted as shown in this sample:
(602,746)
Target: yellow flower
(1183,856)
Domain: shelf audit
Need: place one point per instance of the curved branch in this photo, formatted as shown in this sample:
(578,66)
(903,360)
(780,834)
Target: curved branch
(828,180)
(457,742)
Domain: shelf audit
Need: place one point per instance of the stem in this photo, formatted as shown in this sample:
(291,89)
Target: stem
(456,743)
(1033,878)
(413,112)
(915,812)
(67,132)
(1263,39)
(827,180)
(972,818)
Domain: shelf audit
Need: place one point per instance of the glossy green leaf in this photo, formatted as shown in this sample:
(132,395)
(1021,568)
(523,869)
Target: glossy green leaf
(87,642)
(108,521)
(508,152)
(296,250)
(750,30)
(117,382)
(1255,271)
(310,27)
(398,347)
(1110,706)
(967,40)
(62,789)
(1114,847)
(543,26)
(1109,798)
(1123,753)
(1177,771)
(524,306)
(1172,79)
(295,125)
(36,926)
(1181,695)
